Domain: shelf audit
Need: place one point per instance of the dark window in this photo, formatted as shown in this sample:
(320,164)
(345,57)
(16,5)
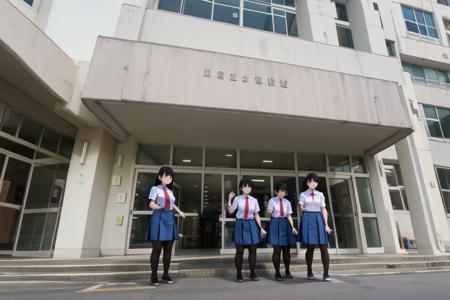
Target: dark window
(345,36)
(198,8)
(170,5)
(390,45)
(29,2)
(341,11)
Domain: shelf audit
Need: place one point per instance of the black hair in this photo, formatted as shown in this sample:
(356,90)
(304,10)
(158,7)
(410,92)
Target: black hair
(312,177)
(164,170)
(245,181)
(281,186)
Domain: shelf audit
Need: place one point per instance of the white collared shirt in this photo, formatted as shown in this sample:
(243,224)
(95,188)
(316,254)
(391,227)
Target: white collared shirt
(157,194)
(310,202)
(274,207)
(239,204)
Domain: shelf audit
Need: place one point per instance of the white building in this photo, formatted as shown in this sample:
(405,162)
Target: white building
(356,91)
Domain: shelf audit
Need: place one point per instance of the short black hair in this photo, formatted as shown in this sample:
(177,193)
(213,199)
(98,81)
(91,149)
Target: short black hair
(245,181)
(312,177)
(281,186)
(164,170)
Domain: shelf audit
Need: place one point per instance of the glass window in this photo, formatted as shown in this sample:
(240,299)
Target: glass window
(139,228)
(29,2)
(50,140)
(212,195)
(235,3)
(153,155)
(258,20)
(372,233)
(444,183)
(198,8)
(311,162)
(9,219)
(226,14)
(396,189)
(257,6)
(390,46)
(187,156)
(365,195)
(341,12)
(431,76)
(420,22)
(284,2)
(396,199)
(66,146)
(267,160)
(36,232)
(10,122)
(279,24)
(187,189)
(170,5)
(291,24)
(434,129)
(430,112)
(220,158)
(418,74)
(16,148)
(30,131)
(14,182)
(444,119)
(358,164)
(339,163)
(345,36)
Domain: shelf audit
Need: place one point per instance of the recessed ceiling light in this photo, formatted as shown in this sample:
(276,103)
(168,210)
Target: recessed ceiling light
(229,155)
(186,160)
(258,180)
(267,161)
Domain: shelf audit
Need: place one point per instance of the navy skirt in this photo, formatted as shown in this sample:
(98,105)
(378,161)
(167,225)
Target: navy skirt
(162,226)
(246,232)
(312,229)
(280,233)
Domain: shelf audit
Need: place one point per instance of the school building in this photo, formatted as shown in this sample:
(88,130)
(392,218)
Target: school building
(96,95)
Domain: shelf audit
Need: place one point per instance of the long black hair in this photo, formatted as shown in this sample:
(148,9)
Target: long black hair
(311,177)
(164,170)
(245,181)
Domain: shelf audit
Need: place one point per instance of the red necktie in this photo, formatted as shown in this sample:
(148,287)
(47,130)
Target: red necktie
(281,208)
(246,208)
(167,202)
(312,194)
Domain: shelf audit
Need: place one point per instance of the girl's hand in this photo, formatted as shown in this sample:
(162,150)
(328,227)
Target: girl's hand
(182,215)
(294,231)
(263,232)
(327,229)
(231,195)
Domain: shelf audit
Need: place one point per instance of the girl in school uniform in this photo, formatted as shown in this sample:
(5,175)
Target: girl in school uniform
(282,233)
(314,229)
(247,229)
(162,229)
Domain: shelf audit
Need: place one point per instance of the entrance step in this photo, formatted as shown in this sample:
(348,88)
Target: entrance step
(131,268)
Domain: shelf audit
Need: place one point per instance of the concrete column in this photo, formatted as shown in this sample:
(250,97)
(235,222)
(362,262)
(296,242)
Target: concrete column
(368,35)
(316,21)
(120,201)
(383,206)
(427,211)
(131,18)
(81,221)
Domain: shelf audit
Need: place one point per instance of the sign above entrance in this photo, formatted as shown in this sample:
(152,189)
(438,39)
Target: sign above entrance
(244,78)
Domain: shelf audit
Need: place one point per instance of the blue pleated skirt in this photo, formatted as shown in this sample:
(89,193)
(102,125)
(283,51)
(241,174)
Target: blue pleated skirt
(280,233)
(246,232)
(162,226)
(312,229)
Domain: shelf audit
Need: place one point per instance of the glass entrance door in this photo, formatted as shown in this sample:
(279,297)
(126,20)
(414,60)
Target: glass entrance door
(13,183)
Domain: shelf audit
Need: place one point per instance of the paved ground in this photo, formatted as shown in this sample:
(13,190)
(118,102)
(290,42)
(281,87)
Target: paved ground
(423,286)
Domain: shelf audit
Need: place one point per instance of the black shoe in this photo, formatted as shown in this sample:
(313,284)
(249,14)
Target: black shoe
(167,279)
(154,281)
(239,278)
(278,277)
(289,275)
(327,278)
(310,276)
(254,277)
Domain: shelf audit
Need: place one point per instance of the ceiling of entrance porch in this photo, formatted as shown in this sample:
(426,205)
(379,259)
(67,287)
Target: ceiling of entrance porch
(181,125)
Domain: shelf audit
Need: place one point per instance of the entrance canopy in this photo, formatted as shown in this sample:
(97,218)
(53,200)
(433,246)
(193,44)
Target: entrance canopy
(166,94)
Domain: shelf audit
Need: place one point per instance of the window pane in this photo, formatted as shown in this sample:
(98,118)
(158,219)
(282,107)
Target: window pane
(36,232)
(30,131)
(220,158)
(226,14)
(187,156)
(396,199)
(358,164)
(50,140)
(372,233)
(144,182)
(429,19)
(365,195)
(432,32)
(444,117)
(405,200)
(408,13)
(66,147)
(258,20)
(419,16)
(9,220)
(391,179)
(412,27)
(341,12)
(446,198)
(444,178)
(212,200)
(257,7)
(138,234)
(29,2)
(291,24)
(198,8)
(418,73)
(16,148)
(267,160)
(345,37)
(153,155)
(311,162)
(14,182)
(170,5)
(187,189)
(434,129)
(280,24)
(398,173)
(431,75)
(339,163)
(10,122)
(430,112)
(235,3)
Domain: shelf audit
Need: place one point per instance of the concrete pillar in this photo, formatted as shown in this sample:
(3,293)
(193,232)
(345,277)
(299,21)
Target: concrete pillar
(81,221)
(131,18)
(120,201)
(316,21)
(427,211)
(368,35)
(383,206)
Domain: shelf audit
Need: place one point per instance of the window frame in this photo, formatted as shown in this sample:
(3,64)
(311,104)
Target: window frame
(419,24)
(447,209)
